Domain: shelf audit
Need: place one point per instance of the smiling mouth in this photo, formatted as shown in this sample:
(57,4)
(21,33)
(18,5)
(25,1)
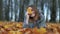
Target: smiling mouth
(31,17)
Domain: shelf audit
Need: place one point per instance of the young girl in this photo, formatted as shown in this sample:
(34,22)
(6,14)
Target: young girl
(33,18)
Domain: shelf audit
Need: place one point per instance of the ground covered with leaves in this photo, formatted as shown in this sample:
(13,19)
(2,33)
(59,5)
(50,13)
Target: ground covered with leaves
(17,28)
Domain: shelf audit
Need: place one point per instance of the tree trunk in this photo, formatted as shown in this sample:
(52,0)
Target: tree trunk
(0,9)
(53,11)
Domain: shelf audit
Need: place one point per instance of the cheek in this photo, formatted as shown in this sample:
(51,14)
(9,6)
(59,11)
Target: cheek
(32,15)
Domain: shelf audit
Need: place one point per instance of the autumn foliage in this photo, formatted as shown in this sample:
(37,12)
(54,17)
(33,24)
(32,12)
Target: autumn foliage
(17,28)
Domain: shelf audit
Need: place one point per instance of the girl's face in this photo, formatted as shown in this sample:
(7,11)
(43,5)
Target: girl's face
(31,12)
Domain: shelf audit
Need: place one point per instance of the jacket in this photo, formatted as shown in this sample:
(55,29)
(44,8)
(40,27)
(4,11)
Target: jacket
(39,23)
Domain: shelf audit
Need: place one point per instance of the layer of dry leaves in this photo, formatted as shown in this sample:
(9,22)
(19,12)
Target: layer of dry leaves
(17,28)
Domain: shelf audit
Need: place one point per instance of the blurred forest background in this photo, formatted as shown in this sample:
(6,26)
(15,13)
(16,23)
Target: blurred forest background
(13,10)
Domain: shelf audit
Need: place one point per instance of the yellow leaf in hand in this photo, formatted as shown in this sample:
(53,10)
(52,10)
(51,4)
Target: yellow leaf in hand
(29,11)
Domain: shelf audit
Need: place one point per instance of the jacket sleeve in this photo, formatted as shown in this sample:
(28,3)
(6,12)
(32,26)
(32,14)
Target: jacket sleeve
(26,17)
(41,22)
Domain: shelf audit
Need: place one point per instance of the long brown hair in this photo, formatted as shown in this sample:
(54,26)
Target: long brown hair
(36,13)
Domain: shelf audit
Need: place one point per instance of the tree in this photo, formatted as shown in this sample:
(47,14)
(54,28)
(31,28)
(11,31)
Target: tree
(53,11)
(21,14)
(0,9)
